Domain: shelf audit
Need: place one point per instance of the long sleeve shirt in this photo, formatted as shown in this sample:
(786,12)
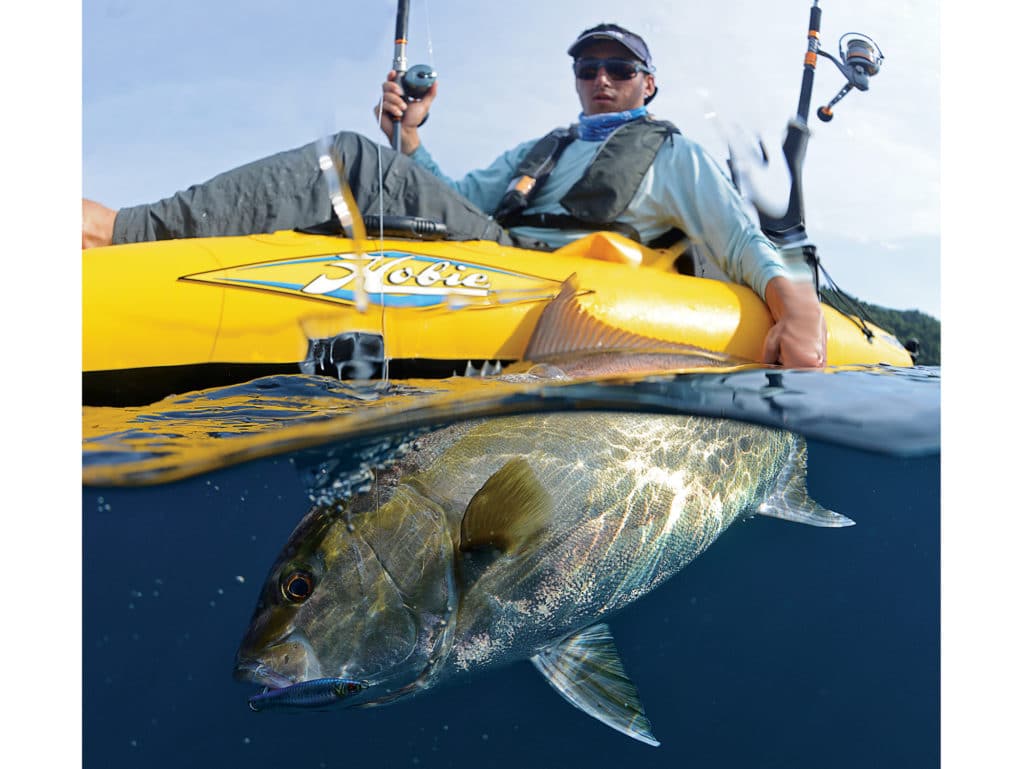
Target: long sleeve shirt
(683,188)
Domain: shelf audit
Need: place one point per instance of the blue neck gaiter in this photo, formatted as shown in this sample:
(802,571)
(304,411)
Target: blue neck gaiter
(597,128)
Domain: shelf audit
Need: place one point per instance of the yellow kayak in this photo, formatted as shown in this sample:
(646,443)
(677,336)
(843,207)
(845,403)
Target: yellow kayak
(280,301)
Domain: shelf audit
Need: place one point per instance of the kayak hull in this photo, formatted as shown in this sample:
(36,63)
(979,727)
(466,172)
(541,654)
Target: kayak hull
(266,300)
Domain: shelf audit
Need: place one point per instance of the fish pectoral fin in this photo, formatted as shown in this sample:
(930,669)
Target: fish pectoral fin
(508,510)
(586,670)
(790,500)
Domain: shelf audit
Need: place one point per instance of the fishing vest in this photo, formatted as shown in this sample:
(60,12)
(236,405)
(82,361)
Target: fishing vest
(601,195)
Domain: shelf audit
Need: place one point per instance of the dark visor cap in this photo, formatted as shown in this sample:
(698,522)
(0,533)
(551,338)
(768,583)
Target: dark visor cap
(616,34)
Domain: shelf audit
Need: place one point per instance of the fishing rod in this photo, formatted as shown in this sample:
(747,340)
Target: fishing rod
(416,80)
(860,58)
(858,62)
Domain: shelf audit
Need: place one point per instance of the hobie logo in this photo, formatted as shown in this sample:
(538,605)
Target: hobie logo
(387,279)
(402,275)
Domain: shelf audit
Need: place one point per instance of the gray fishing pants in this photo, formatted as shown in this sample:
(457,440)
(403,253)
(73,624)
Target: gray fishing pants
(287,190)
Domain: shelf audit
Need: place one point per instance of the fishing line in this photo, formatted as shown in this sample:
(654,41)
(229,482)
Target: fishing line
(423,80)
(385,375)
(430,38)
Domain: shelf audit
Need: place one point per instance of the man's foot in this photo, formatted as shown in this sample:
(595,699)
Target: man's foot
(97,224)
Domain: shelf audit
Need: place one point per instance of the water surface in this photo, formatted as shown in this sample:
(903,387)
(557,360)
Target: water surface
(782,646)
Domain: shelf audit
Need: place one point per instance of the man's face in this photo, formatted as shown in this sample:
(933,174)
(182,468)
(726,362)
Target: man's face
(603,94)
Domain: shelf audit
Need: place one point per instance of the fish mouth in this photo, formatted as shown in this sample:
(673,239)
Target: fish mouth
(255,672)
(287,661)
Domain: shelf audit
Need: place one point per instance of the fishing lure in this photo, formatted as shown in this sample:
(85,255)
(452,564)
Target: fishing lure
(308,694)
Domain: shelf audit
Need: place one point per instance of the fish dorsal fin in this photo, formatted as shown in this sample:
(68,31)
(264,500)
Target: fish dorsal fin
(789,499)
(565,327)
(509,509)
(585,669)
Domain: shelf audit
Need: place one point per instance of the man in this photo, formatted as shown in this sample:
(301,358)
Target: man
(618,168)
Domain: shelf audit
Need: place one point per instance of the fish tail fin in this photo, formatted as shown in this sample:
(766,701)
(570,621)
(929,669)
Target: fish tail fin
(789,499)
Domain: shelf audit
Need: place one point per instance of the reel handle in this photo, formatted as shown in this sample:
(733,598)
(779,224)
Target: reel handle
(825,114)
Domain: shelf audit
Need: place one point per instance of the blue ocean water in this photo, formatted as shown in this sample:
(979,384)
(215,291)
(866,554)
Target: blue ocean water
(781,646)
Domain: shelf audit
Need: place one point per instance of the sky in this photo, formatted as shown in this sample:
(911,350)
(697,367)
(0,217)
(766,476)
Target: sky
(165,94)
(175,91)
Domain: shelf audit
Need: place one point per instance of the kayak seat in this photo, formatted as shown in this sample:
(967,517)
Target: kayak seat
(613,247)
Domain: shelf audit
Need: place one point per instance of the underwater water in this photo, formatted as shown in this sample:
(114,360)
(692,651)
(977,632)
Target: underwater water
(781,646)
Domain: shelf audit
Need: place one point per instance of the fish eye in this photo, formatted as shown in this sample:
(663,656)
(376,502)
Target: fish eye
(297,586)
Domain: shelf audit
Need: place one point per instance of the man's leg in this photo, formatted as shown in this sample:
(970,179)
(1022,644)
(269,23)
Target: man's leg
(287,190)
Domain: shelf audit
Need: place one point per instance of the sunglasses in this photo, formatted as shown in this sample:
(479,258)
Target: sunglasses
(617,69)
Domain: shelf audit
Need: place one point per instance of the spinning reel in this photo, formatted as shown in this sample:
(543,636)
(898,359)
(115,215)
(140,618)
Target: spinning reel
(417,80)
(859,59)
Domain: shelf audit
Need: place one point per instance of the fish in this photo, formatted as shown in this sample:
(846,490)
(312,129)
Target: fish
(513,538)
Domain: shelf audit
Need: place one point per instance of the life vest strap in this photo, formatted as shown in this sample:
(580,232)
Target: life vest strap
(532,172)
